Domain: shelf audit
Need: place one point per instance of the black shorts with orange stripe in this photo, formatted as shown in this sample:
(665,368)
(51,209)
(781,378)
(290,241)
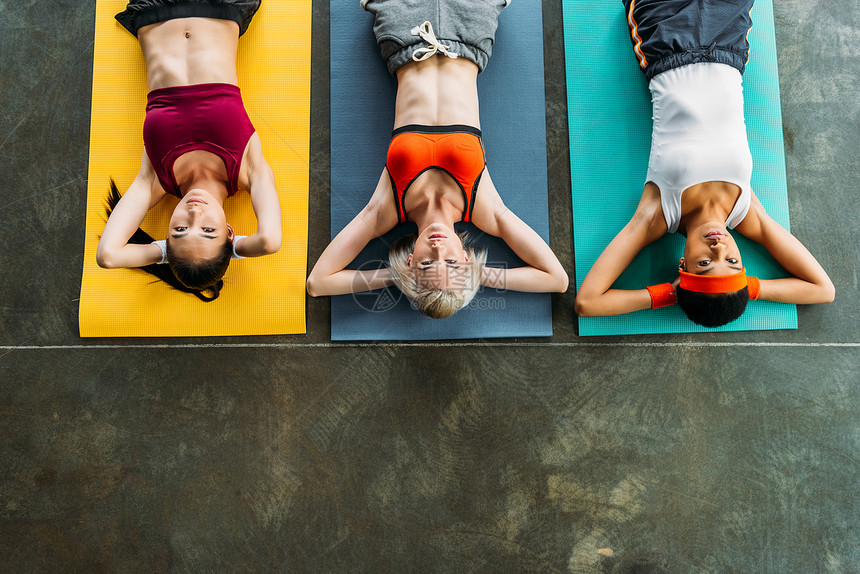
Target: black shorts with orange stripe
(667,34)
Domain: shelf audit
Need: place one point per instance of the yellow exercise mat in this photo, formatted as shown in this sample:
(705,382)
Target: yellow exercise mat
(261,295)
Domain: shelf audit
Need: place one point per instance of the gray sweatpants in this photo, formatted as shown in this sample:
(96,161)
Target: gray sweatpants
(467,27)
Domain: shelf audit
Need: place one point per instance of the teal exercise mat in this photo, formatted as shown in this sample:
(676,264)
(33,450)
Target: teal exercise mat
(513,124)
(609,114)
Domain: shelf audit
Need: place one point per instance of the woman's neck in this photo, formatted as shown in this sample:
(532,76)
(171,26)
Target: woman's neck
(200,169)
(214,187)
(707,202)
(434,197)
(435,212)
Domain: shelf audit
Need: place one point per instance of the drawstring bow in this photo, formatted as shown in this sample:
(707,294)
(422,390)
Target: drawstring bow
(425,30)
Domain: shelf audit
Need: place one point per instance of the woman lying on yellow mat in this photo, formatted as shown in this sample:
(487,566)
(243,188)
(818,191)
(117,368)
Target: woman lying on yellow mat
(435,173)
(699,173)
(200,146)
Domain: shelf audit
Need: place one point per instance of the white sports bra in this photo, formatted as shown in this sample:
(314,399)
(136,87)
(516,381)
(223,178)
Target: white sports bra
(699,135)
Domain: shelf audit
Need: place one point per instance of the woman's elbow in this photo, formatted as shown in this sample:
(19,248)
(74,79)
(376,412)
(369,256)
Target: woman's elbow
(583,307)
(828,293)
(562,282)
(104,259)
(314,285)
(270,244)
(824,292)
(311,287)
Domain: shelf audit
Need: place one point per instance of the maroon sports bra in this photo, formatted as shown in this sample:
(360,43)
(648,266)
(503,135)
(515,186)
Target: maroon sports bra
(209,117)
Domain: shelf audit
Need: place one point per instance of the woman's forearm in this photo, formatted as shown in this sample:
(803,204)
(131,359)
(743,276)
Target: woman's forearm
(129,255)
(528,279)
(596,297)
(348,281)
(329,275)
(809,283)
(794,290)
(113,249)
(258,244)
(612,302)
(543,271)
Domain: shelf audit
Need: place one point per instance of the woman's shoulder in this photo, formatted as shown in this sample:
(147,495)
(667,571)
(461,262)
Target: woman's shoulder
(755,222)
(649,213)
(381,205)
(148,180)
(488,204)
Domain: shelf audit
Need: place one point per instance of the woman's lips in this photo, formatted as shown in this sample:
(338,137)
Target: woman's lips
(714,234)
(438,236)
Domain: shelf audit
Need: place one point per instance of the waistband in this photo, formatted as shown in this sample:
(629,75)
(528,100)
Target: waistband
(711,54)
(162,13)
(199,90)
(452,129)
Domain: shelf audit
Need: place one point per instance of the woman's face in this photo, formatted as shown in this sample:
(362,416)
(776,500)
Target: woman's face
(198,226)
(711,249)
(439,260)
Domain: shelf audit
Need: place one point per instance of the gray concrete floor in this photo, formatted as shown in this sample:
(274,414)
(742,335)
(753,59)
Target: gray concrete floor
(733,452)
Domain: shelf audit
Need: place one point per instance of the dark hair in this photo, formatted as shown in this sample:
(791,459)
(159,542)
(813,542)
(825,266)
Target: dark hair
(201,275)
(712,309)
(181,275)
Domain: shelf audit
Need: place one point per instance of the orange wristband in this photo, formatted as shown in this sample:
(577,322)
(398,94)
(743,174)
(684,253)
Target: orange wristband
(754,287)
(662,295)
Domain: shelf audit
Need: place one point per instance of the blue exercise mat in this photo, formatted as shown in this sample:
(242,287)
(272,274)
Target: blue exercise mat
(609,114)
(513,124)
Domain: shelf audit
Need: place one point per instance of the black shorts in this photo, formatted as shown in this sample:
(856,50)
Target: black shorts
(667,34)
(140,13)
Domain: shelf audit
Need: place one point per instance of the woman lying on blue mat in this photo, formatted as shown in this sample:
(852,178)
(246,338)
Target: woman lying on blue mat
(200,147)
(699,174)
(435,172)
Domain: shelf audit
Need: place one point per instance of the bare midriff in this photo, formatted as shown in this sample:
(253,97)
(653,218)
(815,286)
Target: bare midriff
(439,91)
(189,51)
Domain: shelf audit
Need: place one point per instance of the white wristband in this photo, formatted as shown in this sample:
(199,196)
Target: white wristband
(236,239)
(162,243)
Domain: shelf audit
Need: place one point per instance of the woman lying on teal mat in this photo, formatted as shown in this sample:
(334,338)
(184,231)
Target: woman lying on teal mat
(435,173)
(699,174)
(200,147)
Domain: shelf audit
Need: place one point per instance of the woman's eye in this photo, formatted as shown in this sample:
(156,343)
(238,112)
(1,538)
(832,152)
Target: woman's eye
(180,229)
(426,263)
(450,261)
(209,229)
(732,260)
(704,262)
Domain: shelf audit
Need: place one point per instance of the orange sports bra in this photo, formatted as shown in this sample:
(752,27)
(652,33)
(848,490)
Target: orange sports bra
(457,150)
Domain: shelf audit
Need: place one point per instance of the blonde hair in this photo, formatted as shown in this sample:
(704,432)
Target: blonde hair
(435,303)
